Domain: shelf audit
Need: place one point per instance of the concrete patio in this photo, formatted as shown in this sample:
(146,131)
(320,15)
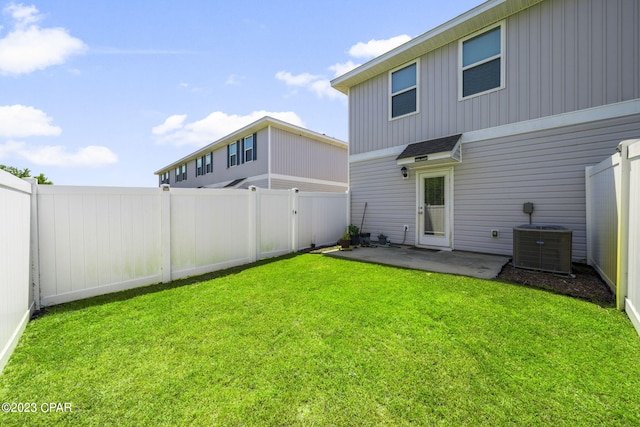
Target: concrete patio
(471,264)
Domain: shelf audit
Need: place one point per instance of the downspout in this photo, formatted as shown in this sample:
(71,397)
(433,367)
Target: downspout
(269,157)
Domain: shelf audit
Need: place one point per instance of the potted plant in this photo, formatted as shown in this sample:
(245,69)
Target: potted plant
(345,241)
(354,234)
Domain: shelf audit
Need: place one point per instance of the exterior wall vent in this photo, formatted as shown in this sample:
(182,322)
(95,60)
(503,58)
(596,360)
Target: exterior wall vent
(542,247)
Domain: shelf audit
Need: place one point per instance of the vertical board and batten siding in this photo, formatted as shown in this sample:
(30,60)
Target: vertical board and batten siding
(603,206)
(301,156)
(210,230)
(222,173)
(389,198)
(94,240)
(494,179)
(561,56)
(15,287)
(546,168)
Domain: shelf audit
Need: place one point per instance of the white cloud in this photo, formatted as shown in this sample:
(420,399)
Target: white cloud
(318,84)
(57,155)
(28,47)
(19,121)
(321,85)
(374,48)
(172,123)
(201,132)
(340,69)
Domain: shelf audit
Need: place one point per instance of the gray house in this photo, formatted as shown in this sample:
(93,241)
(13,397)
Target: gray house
(453,132)
(267,153)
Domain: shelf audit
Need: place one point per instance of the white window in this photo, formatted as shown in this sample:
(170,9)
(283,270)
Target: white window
(232,154)
(248,149)
(403,95)
(482,62)
(208,163)
(178,174)
(199,170)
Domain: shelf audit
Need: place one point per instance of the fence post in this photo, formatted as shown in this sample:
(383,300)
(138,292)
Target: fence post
(34,273)
(254,221)
(293,196)
(622,272)
(589,196)
(165,230)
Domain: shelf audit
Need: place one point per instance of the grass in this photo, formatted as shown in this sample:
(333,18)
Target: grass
(310,340)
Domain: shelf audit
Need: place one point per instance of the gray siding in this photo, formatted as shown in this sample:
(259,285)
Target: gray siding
(495,178)
(221,172)
(390,199)
(297,155)
(561,56)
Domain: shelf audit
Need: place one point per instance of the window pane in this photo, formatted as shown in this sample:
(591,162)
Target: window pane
(482,47)
(481,78)
(434,212)
(404,103)
(403,79)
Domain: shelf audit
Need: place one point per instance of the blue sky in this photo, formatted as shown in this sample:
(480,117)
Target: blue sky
(107,92)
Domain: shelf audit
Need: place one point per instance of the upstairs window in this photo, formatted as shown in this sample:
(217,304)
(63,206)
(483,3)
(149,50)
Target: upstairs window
(208,163)
(178,174)
(404,91)
(248,149)
(199,169)
(232,154)
(164,178)
(184,172)
(482,62)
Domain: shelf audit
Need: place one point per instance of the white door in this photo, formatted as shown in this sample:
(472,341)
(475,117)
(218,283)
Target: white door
(434,209)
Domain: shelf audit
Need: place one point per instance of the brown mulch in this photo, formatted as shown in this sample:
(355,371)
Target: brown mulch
(586,284)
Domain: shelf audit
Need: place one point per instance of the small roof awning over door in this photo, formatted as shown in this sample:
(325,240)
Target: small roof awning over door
(432,152)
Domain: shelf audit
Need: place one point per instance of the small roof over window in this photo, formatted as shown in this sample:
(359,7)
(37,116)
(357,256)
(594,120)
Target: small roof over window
(431,152)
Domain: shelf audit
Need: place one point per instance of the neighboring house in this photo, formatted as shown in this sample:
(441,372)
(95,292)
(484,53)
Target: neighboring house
(267,153)
(503,105)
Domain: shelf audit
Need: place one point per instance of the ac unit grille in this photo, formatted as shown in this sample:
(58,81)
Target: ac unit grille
(542,247)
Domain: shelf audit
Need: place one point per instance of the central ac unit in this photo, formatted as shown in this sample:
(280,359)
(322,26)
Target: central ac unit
(542,247)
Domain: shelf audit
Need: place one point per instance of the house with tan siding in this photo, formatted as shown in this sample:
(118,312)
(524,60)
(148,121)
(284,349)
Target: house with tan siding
(453,132)
(268,153)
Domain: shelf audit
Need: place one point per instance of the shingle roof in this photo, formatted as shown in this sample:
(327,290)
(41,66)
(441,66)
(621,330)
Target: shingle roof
(431,146)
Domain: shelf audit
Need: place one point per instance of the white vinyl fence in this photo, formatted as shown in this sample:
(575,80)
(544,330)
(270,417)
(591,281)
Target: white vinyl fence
(15,287)
(96,240)
(613,224)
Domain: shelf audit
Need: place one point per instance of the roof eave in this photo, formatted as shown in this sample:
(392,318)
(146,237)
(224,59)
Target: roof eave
(251,128)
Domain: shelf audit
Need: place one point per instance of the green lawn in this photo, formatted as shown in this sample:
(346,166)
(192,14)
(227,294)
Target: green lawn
(310,340)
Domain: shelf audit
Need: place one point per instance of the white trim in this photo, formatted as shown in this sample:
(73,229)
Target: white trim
(271,176)
(308,180)
(610,111)
(450,209)
(416,87)
(502,55)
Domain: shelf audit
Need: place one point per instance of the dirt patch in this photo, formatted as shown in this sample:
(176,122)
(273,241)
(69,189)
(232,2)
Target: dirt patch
(586,284)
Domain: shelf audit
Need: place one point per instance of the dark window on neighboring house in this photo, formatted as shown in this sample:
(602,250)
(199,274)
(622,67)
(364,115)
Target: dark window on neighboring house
(232,154)
(178,174)
(208,163)
(184,172)
(404,91)
(164,178)
(482,62)
(199,168)
(248,148)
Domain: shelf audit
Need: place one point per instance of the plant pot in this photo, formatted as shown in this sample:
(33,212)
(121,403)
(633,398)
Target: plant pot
(355,239)
(344,243)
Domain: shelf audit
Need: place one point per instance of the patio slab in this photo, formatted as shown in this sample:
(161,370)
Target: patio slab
(483,266)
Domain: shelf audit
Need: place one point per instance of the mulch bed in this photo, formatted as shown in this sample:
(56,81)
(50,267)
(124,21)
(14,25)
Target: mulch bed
(586,284)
